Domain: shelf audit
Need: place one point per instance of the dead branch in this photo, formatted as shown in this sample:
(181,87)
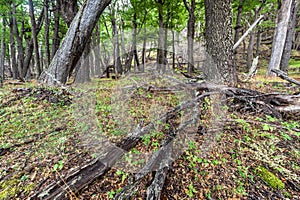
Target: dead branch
(284,76)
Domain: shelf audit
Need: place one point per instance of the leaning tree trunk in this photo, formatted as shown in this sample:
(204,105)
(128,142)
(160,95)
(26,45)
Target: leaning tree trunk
(2,56)
(74,42)
(280,36)
(219,41)
(289,38)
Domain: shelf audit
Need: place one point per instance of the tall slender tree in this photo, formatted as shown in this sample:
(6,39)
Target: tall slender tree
(280,36)
(190,33)
(35,38)
(289,38)
(2,55)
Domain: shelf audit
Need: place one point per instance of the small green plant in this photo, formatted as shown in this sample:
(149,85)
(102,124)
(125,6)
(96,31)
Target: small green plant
(146,139)
(270,118)
(191,190)
(285,136)
(58,166)
(267,127)
(111,194)
(123,175)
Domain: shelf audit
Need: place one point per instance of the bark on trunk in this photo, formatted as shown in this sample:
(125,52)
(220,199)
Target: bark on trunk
(280,36)
(144,47)
(69,10)
(19,42)
(251,41)
(83,73)
(29,46)
(190,34)
(219,41)
(74,43)
(161,64)
(2,56)
(12,48)
(258,42)
(47,24)
(35,39)
(117,59)
(135,54)
(238,25)
(55,38)
(289,38)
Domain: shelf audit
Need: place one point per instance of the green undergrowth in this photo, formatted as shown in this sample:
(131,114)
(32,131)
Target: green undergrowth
(271,179)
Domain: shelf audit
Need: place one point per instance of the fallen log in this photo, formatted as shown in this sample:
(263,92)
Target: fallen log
(284,76)
(82,177)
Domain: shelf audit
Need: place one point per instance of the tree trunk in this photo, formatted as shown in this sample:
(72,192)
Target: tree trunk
(219,41)
(117,59)
(289,38)
(69,10)
(2,56)
(35,39)
(74,42)
(55,38)
(19,42)
(144,47)
(190,34)
(47,24)
(12,47)
(135,53)
(238,25)
(280,36)
(251,40)
(258,42)
(161,64)
(83,72)
(29,45)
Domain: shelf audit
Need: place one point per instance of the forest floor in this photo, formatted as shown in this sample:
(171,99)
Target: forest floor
(44,135)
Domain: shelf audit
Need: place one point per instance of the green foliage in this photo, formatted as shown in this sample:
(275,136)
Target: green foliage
(268,177)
